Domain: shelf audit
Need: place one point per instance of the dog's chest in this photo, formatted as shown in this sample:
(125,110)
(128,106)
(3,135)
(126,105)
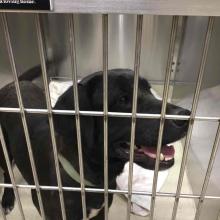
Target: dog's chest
(94,212)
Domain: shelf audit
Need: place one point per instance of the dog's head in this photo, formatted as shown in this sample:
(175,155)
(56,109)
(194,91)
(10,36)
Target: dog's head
(120,93)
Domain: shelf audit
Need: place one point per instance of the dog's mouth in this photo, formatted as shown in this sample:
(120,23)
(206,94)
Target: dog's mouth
(146,155)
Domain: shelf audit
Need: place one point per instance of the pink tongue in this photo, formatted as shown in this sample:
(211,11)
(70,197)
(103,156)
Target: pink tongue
(167,151)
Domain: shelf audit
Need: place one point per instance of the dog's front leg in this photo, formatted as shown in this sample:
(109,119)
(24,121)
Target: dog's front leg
(8,196)
(101,214)
(51,204)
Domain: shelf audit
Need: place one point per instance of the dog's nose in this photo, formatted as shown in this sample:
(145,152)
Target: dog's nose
(181,123)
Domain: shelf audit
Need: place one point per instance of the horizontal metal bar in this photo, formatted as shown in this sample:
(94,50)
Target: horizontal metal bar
(110,114)
(112,191)
(159,7)
(151,81)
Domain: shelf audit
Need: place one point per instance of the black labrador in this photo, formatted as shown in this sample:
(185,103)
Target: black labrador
(120,92)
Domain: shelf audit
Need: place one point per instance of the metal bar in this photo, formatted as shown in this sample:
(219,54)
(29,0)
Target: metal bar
(76,105)
(22,112)
(177,52)
(208,173)
(10,170)
(163,110)
(2,212)
(112,191)
(193,113)
(110,114)
(50,116)
(150,7)
(134,107)
(105,107)
(151,81)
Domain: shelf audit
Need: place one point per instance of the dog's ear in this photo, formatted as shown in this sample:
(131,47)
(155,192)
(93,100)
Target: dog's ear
(94,86)
(65,125)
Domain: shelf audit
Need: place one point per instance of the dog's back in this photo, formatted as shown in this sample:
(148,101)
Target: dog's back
(32,97)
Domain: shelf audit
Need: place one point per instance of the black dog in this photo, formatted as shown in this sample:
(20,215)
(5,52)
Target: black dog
(120,90)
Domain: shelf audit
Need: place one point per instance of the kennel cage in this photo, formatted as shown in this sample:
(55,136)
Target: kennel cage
(174,52)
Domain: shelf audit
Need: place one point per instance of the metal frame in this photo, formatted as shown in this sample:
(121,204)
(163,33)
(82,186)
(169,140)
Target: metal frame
(105,114)
(113,191)
(110,114)
(159,7)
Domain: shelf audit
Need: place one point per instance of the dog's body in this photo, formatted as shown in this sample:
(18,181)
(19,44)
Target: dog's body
(90,98)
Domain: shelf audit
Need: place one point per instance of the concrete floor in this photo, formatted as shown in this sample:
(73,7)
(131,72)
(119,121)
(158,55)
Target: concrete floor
(163,209)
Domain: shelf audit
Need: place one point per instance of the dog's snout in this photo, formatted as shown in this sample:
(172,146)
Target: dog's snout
(181,123)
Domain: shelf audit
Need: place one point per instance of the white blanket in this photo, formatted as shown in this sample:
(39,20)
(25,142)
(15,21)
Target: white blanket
(142,178)
(142,181)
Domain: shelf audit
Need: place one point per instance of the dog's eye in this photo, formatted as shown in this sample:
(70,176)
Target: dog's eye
(123,99)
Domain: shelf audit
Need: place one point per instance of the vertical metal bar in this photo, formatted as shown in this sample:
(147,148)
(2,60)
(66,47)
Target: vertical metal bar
(193,113)
(208,173)
(105,106)
(2,212)
(21,107)
(9,166)
(177,51)
(41,49)
(77,115)
(134,107)
(163,110)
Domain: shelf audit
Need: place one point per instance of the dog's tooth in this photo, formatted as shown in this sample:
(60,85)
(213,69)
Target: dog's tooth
(162,157)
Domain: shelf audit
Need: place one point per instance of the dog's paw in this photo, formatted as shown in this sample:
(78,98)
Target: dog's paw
(7,204)
(7,210)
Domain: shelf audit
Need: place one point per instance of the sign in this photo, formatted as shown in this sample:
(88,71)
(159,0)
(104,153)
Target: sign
(25,5)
